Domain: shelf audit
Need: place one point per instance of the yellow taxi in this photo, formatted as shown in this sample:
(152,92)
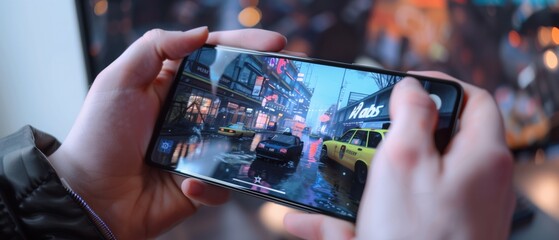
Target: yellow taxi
(354,150)
(236,130)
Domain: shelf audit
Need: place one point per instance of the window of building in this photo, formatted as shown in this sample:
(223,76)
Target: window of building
(261,120)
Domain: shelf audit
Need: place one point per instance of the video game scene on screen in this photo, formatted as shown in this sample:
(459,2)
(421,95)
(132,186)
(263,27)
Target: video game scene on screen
(284,127)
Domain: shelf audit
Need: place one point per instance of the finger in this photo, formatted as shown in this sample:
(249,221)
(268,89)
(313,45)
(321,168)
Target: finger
(434,74)
(413,119)
(293,53)
(255,39)
(480,117)
(165,77)
(479,148)
(169,69)
(314,226)
(204,193)
(141,63)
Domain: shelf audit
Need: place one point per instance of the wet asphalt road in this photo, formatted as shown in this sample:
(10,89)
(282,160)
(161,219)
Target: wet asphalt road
(325,185)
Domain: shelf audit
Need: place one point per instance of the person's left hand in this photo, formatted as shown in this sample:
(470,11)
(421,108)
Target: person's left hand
(102,158)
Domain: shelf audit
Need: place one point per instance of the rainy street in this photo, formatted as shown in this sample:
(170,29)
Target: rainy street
(228,106)
(322,184)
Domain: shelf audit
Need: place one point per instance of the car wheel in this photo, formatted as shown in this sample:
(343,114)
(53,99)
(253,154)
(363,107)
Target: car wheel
(361,172)
(324,154)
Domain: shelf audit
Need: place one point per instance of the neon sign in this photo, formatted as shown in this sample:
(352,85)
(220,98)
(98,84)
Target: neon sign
(367,112)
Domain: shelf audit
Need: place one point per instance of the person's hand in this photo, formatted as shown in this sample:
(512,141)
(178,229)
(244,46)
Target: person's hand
(102,158)
(414,192)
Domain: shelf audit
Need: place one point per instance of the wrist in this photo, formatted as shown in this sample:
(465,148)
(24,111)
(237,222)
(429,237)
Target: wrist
(38,203)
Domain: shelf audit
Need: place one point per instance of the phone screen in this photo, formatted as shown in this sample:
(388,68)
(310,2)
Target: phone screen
(298,131)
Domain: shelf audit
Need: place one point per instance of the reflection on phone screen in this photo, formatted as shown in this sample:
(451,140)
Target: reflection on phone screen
(291,129)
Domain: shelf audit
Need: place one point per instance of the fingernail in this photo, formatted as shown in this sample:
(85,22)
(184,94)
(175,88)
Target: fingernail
(409,82)
(199,30)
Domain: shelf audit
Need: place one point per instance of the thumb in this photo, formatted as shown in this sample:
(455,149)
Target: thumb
(140,64)
(414,117)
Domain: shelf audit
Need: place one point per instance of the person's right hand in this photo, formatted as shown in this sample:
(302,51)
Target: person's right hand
(415,192)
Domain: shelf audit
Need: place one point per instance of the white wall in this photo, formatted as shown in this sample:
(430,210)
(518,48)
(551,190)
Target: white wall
(42,74)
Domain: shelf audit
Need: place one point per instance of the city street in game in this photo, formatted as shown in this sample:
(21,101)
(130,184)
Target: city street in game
(284,127)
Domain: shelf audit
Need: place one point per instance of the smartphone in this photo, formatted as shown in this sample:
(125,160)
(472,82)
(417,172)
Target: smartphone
(297,131)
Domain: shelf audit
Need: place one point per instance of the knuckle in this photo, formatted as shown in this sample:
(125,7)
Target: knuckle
(500,162)
(481,97)
(153,34)
(493,166)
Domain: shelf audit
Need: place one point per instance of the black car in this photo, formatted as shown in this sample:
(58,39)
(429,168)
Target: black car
(281,147)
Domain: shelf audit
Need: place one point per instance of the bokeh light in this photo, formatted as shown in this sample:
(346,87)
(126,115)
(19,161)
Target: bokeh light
(550,59)
(101,7)
(555,35)
(250,16)
(514,39)
(544,36)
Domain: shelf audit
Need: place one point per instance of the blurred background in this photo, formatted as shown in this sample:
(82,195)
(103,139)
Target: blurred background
(51,51)
(510,48)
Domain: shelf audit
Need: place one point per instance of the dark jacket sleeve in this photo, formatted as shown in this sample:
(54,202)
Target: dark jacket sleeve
(34,204)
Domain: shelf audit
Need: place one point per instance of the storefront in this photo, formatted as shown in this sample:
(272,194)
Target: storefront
(195,105)
(262,120)
(372,111)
